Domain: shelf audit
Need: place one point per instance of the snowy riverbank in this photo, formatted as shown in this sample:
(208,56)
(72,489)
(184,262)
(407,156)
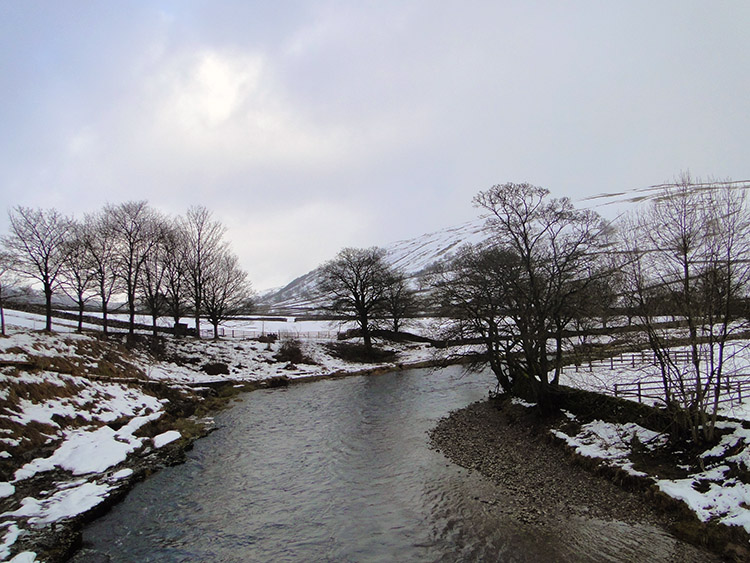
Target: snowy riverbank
(82,419)
(703,495)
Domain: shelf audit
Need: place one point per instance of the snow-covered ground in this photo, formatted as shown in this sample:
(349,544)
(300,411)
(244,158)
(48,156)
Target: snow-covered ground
(250,327)
(714,493)
(626,370)
(241,329)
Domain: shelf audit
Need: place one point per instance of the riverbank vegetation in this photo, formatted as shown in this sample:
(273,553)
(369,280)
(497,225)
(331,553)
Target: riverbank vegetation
(547,270)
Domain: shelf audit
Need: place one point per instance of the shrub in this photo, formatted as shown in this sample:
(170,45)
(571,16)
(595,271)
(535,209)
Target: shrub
(216,368)
(291,351)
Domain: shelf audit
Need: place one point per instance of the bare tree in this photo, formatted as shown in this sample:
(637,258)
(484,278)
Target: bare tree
(136,228)
(399,300)
(78,273)
(355,283)
(175,273)
(226,290)
(203,240)
(154,275)
(557,253)
(7,282)
(100,239)
(38,244)
(690,248)
(477,292)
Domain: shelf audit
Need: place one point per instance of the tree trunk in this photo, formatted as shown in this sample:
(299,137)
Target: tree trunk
(103,295)
(216,330)
(80,315)
(2,314)
(197,325)
(48,307)
(153,325)
(367,338)
(104,319)
(131,311)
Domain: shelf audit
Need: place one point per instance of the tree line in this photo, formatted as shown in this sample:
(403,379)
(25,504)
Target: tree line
(165,266)
(548,270)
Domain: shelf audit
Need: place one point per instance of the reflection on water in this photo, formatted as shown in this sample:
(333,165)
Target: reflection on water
(340,471)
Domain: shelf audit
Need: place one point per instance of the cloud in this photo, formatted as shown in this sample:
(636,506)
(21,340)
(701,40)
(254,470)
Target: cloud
(290,241)
(372,122)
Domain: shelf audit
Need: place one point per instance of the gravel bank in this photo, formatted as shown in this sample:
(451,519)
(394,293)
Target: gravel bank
(538,482)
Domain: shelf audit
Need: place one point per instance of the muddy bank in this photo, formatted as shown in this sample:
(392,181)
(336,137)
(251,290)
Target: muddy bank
(540,482)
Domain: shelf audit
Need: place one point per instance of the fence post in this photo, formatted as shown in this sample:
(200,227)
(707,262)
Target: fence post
(639,391)
(739,392)
(611,363)
(615,389)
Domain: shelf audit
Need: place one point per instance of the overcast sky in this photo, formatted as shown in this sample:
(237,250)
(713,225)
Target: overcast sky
(307,126)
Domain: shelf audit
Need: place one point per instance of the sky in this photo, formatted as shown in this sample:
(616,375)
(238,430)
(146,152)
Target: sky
(309,126)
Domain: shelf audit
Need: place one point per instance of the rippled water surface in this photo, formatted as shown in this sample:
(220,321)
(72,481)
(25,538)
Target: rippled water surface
(340,470)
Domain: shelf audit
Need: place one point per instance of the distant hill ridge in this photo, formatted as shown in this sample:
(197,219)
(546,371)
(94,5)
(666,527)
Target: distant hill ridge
(412,256)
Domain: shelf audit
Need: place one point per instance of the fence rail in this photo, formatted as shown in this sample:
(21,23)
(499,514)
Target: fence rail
(731,391)
(634,359)
(246,334)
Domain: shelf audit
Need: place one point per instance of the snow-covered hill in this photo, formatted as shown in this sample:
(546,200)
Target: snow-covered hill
(412,256)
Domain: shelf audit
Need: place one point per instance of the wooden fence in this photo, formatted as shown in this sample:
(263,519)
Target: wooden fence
(732,390)
(245,334)
(634,359)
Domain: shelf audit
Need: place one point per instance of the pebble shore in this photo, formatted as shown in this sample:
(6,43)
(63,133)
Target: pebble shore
(539,482)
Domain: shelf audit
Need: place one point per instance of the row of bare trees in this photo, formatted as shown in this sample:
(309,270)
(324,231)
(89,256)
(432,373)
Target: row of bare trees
(549,268)
(161,265)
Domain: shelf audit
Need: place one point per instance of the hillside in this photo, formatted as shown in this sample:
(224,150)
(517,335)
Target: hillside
(412,256)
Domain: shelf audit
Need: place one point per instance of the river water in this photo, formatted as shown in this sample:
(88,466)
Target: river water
(338,470)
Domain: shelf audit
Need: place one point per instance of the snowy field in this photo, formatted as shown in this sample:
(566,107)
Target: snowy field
(252,327)
(245,328)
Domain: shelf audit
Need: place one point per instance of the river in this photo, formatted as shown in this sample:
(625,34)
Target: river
(333,470)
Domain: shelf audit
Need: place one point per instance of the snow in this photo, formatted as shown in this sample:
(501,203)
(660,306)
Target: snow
(725,500)
(9,539)
(601,376)
(77,498)
(122,474)
(94,451)
(6,489)
(24,557)
(611,442)
(166,438)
